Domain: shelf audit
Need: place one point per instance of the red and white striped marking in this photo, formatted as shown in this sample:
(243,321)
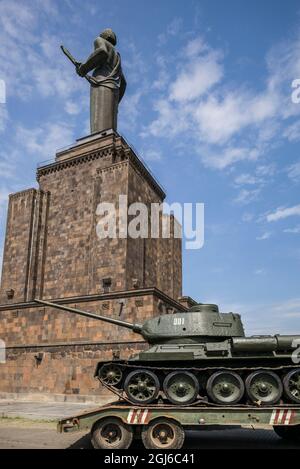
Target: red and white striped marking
(138,416)
(281,417)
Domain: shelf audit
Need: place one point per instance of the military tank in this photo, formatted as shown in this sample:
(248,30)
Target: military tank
(202,356)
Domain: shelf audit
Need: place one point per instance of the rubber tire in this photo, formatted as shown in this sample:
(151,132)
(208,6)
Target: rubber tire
(216,400)
(286,389)
(147,401)
(177,429)
(169,376)
(247,383)
(288,433)
(126,434)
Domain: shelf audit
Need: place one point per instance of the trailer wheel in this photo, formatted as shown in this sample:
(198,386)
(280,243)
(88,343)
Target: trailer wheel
(163,433)
(111,433)
(289,432)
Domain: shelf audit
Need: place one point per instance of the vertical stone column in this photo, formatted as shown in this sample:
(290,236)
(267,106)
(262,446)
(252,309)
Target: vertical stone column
(24,246)
(37,253)
(169,260)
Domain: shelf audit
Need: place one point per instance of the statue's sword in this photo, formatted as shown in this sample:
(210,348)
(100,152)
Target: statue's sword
(90,79)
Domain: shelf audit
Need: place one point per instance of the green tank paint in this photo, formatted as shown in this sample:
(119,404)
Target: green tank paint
(202,332)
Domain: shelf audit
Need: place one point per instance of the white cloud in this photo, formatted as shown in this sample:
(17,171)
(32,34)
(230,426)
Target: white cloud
(16,17)
(168,122)
(172,29)
(287,309)
(72,108)
(195,47)
(135,67)
(34,63)
(280,317)
(3,117)
(264,236)
(45,141)
(260,272)
(283,212)
(198,77)
(7,169)
(292,132)
(5,190)
(220,118)
(293,171)
(152,154)
(256,181)
(162,74)
(246,179)
(54,79)
(247,217)
(229,156)
(246,196)
(223,124)
(295,230)
(265,170)
(130,110)
(4,193)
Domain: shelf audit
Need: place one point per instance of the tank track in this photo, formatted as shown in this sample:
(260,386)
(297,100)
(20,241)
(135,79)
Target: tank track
(202,397)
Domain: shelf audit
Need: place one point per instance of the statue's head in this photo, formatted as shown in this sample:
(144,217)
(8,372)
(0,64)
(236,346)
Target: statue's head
(109,35)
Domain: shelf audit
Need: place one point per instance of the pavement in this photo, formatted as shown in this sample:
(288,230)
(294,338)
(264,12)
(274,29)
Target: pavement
(41,410)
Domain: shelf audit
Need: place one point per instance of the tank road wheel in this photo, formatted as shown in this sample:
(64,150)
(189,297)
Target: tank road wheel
(163,433)
(181,387)
(225,387)
(111,374)
(289,432)
(141,386)
(291,384)
(264,386)
(111,433)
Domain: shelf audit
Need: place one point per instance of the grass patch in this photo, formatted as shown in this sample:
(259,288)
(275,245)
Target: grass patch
(8,420)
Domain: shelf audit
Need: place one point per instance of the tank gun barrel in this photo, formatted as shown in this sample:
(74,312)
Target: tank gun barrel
(134,327)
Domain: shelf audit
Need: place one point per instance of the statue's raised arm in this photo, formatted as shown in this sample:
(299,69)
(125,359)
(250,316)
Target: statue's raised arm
(108,83)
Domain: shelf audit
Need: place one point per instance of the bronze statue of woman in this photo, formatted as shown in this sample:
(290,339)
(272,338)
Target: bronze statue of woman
(108,83)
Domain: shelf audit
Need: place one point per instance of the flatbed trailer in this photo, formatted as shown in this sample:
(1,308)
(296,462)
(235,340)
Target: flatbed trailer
(115,425)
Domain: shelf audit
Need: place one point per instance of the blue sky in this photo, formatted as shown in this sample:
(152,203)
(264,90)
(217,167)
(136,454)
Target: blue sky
(208,106)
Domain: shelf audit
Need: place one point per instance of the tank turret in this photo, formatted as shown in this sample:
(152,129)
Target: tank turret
(201,322)
(201,352)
